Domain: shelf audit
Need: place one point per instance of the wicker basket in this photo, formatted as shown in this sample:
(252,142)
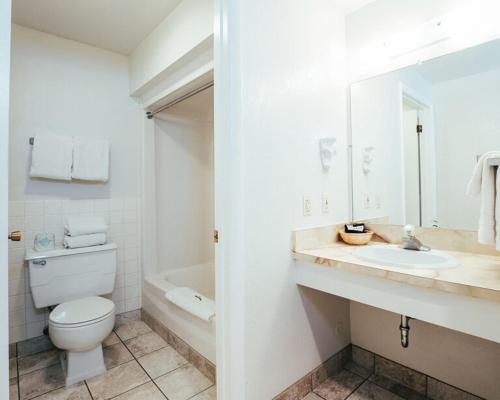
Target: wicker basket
(357,238)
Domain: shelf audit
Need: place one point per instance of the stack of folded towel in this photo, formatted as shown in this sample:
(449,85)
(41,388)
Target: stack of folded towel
(84,232)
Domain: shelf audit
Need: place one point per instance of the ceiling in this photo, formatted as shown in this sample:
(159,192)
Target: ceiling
(116,25)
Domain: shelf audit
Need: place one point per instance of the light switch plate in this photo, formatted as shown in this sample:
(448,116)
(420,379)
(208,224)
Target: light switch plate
(366,201)
(325,203)
(307,206)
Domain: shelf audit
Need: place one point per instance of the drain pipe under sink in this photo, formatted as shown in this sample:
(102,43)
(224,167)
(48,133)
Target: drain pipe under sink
(405,331)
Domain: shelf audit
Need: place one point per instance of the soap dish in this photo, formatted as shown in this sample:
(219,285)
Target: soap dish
(356,238)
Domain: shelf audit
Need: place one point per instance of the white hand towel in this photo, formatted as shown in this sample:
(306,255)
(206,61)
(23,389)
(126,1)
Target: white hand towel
(52,157)
(485,181)
(192,302)
(77,226)
(90,160)
(95,239)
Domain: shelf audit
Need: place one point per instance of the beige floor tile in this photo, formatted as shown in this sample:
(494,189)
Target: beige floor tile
(211,394)
(75,392)
(312,396)
(370,391)
(115,355)
(38,361)
(128,329)
(13,392)
(161,361)
(117,381)
(183,383)
(12,368)
(339,386)
(145,344)
(110,340)
(147,391)
(41,381)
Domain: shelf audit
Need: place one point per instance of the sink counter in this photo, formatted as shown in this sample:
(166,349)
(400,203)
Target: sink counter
(476,275)
(465,298)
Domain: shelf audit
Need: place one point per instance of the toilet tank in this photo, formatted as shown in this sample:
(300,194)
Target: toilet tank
(61,275)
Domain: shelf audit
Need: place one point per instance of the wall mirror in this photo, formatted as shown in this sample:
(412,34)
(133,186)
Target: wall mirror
(417,134)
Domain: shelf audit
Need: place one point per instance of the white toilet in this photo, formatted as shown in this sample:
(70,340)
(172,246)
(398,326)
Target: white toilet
(73,279)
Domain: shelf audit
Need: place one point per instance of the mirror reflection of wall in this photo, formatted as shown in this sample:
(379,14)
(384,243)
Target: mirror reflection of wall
(428,124)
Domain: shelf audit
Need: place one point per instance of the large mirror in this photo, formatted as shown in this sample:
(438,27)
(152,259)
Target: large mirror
(417,134)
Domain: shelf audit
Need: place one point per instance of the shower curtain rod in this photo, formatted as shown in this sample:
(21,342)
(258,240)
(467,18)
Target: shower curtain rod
(151,114)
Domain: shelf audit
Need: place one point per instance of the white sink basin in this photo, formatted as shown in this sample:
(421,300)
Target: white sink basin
(394,256)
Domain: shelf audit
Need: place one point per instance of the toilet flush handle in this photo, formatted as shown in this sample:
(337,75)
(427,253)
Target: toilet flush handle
(40,262)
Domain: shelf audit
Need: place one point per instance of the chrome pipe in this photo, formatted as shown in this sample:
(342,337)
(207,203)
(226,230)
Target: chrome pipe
(404,327)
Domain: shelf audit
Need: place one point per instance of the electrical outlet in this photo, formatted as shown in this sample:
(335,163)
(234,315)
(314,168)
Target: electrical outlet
(366,201)
(325,203)
(378,201)
(307,206)
(339,327)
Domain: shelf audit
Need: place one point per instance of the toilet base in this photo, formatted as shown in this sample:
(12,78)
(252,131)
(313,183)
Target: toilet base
(81,365)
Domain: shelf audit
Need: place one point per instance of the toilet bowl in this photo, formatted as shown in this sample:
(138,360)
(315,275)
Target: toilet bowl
(79,327)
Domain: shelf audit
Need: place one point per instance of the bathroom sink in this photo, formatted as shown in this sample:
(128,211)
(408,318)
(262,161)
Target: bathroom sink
(394,256)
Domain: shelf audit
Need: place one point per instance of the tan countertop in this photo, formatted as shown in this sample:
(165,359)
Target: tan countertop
(477,275)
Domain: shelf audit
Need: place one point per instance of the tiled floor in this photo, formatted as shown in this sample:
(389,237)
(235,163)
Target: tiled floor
(140,366)
(349,385)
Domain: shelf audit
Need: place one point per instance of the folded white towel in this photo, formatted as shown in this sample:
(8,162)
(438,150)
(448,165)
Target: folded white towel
(74,242)
(76,226)
(485,181)
(52,157)
(192,302)
(90,160)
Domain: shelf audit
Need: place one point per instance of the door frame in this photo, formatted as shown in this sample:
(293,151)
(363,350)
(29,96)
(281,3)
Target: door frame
(427,148)
(5,46)
(229,209)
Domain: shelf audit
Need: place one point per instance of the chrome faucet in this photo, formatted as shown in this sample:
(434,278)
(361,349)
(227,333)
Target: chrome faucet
(410,242)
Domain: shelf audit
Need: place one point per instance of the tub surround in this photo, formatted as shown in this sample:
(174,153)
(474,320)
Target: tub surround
(462,298)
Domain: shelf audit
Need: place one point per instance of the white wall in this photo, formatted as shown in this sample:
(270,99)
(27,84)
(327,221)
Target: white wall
(184,187)
(185,28)
(464,361)
(467,125)
(68,88)
(292,94)
(5,26)
(376,120)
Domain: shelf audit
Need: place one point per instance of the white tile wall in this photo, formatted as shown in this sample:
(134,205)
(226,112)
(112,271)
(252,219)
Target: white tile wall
(32,217)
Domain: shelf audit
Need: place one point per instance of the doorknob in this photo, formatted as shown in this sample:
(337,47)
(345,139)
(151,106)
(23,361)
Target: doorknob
(15,236)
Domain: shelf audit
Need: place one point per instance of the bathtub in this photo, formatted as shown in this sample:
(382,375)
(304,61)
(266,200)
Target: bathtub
(199,334)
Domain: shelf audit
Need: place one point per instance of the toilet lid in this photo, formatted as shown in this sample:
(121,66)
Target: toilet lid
(81,310)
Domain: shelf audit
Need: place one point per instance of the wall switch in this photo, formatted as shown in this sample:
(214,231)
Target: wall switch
(378,201)
(325,203)
(366,201)
(307,206)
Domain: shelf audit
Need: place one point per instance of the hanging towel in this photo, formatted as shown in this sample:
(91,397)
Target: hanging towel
(485,182)
(95,239)
(52,157)
(77,226)
(90,160)
(192,302)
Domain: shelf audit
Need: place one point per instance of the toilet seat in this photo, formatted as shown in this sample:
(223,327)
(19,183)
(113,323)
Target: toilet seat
(81,312)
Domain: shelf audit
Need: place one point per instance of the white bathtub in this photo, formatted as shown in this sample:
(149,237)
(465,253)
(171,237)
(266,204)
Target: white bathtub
(199,334)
